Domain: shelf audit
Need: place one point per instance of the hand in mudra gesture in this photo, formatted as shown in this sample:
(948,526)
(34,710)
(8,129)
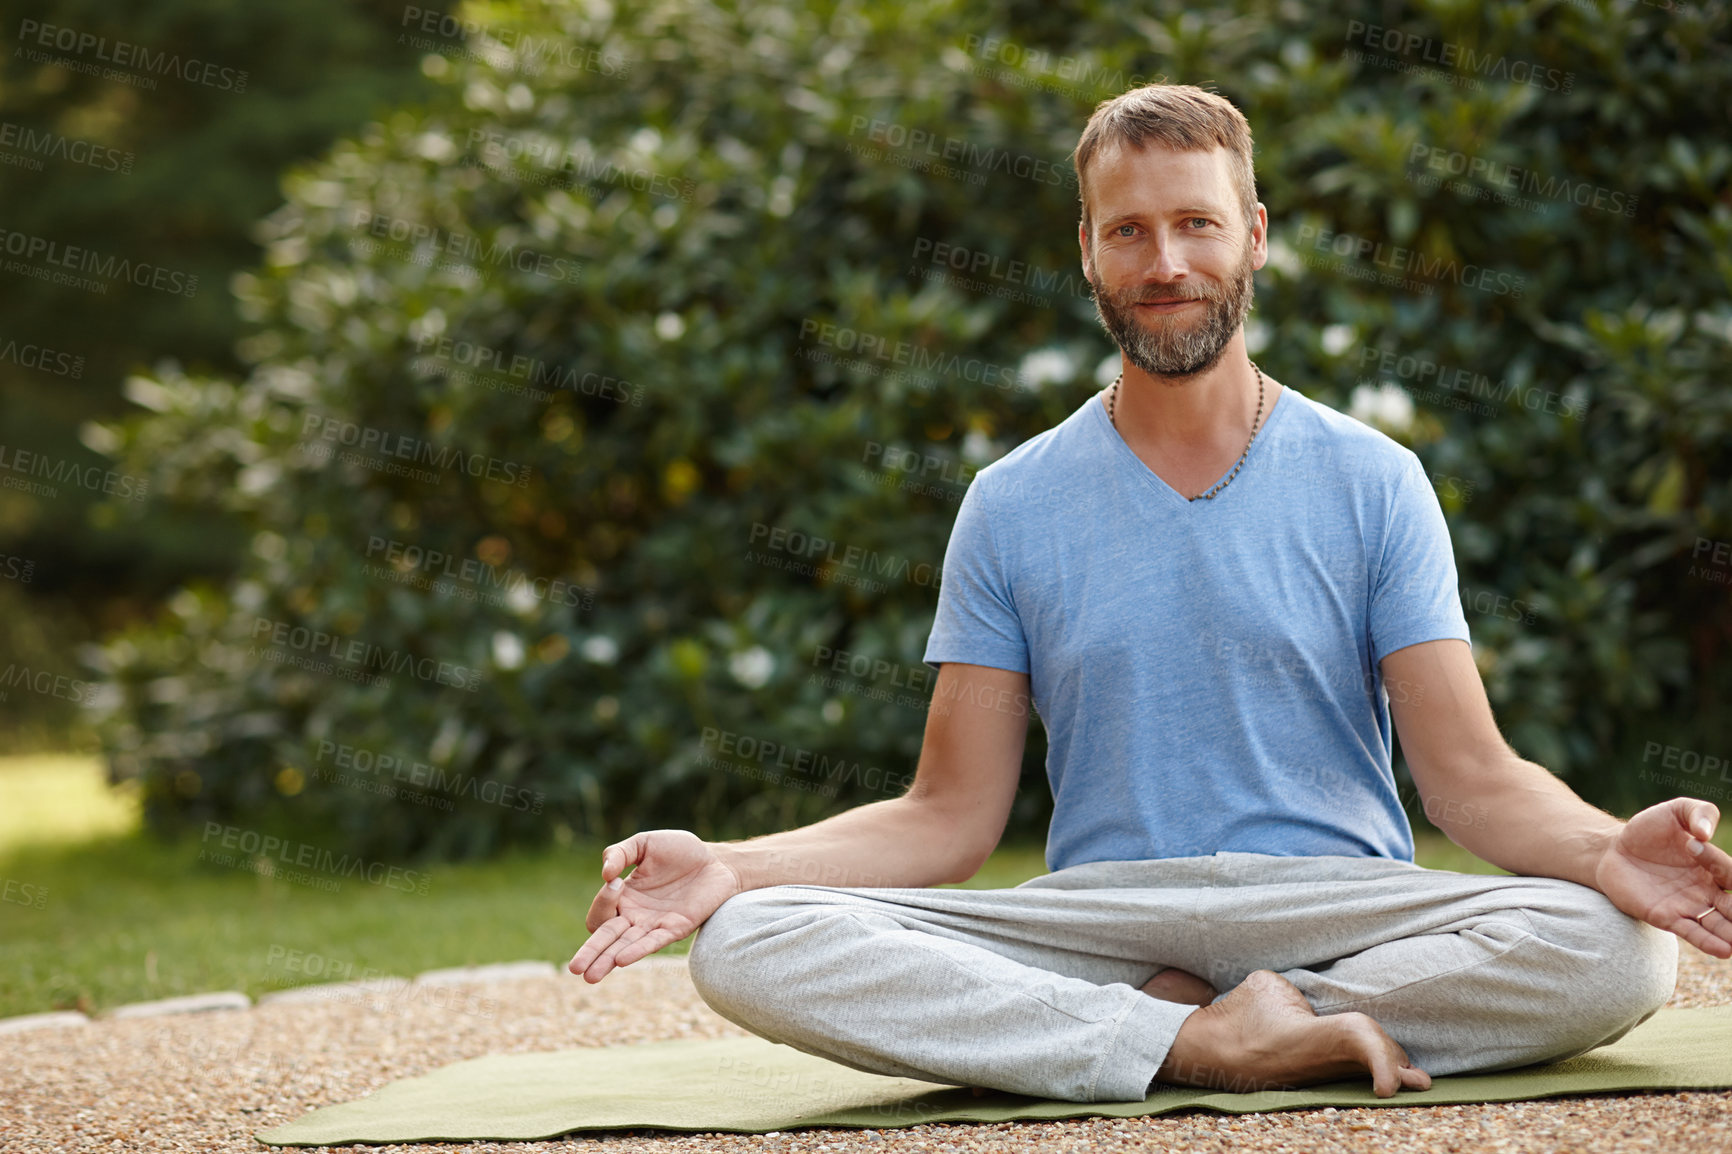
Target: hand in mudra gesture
(1662,869)
(678,883)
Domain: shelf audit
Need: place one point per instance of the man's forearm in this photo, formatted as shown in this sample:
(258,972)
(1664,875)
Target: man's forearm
(1519,817)
(899,841)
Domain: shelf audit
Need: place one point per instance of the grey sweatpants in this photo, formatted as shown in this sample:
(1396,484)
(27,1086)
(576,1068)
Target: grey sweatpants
(1036,989)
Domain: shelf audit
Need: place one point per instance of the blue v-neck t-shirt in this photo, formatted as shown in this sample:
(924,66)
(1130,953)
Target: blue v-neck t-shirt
(1207,671)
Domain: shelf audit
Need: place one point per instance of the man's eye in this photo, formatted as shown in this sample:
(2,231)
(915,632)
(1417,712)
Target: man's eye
(1204,219)
(1121,229)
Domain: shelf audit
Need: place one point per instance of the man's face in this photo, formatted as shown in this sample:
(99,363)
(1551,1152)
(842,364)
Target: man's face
(1171,259)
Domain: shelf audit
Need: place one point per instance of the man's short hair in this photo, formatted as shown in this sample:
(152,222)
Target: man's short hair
(1177,116)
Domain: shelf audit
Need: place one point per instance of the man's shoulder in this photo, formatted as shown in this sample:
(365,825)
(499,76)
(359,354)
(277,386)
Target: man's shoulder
(1323,440)
(1048,457)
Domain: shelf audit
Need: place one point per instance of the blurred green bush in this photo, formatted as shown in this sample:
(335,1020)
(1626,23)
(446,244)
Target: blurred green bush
(171,169)
(654,223)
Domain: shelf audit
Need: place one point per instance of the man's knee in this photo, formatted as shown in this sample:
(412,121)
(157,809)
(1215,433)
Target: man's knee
(720,959)
(714,951)
(1647,962)
(1629,969)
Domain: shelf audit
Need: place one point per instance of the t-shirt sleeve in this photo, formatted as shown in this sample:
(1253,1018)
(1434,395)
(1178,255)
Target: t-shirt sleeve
(976,622)
(1414,593)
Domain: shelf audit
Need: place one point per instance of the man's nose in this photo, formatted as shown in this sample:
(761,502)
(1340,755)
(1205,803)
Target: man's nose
(1165,265)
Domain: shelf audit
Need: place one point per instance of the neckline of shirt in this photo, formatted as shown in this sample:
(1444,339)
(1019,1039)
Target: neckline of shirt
(1153,479)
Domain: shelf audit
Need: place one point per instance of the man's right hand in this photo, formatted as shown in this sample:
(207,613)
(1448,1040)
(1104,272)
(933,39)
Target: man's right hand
(679,882)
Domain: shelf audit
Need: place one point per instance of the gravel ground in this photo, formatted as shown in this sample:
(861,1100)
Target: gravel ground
(208,1082)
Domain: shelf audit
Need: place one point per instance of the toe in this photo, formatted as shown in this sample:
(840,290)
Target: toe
(1413,1078)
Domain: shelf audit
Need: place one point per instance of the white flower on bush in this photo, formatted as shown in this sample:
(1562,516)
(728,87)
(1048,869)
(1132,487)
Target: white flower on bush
(1257,334)
(507,650)
(1044,366)
(752,667)
(1387,407)
(601,649)
(978,448)
(521,598)
(1336,339)
(1108,369)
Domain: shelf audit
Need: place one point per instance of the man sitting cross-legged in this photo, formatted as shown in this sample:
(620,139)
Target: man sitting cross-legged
(1224,598)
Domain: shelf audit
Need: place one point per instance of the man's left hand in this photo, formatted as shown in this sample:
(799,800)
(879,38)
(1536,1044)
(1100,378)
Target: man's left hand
(1663,869)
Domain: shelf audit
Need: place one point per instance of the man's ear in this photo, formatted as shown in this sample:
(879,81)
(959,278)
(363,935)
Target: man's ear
(1082,239)
(1260,238)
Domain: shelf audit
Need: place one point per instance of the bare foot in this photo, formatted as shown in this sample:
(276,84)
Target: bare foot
(1175,985)
(1264,1035)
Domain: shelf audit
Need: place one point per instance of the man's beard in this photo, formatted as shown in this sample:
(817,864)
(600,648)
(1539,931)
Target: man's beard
(1175,345)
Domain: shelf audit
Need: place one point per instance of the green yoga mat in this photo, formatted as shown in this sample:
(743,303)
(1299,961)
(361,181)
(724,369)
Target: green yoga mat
(749,1085)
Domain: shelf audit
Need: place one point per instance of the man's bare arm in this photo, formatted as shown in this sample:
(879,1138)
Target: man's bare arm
(948,822)
(1490,801)
(941,830)
(1660,866)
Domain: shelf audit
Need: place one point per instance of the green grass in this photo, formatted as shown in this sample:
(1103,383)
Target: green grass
(97,913)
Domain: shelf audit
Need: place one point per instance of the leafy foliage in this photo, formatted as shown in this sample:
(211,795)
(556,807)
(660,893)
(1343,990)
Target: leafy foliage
(766,181)
(169,169)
